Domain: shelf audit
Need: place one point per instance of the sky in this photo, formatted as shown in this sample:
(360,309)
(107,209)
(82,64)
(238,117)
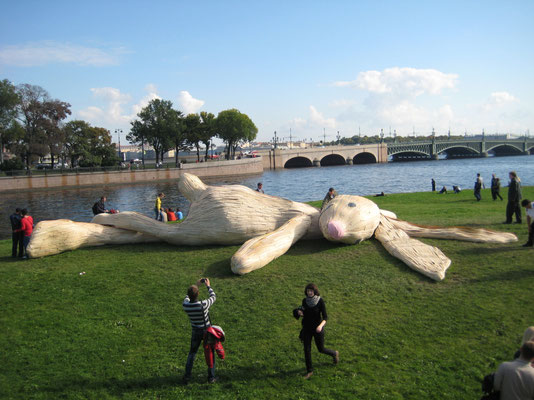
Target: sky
(305,68)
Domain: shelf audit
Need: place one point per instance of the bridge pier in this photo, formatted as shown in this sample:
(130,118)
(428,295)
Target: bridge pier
(484,154)
(348,161)
(434,157)
(316,162)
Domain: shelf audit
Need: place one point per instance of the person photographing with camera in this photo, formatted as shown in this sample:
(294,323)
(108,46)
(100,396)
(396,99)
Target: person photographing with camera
(198,313)
(313,311)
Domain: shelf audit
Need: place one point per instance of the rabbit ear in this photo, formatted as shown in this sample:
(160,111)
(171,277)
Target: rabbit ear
(453,232)
(427,260)
(260,251)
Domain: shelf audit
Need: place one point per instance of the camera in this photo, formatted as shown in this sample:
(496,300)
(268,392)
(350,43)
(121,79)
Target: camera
(203,280)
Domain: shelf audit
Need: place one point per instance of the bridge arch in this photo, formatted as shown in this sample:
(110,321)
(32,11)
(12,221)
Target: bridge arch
(459,151)
(332,159)
(505,149)
(412,155)
(364,158)
(298,162)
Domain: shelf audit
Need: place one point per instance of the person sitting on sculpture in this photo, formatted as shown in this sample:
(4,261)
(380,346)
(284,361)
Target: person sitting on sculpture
(179,214)
(171,216)
(443,190)
(100,206)
(329,196)
(260,188)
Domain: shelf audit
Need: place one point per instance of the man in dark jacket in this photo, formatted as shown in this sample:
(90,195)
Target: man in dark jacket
(514,197)
(100,206)
(16,235)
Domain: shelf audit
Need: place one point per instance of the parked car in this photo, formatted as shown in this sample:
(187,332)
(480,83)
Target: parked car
(43,166)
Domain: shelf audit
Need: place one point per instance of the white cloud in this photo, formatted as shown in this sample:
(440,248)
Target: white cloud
(50,52)
(317,119)
(310,126)
(152,94)
(400,98)
(500,98)
(188,103)
(114,110)
(402,81)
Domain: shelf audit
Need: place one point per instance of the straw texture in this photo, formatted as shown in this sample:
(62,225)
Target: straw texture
(57,236)
(427,260)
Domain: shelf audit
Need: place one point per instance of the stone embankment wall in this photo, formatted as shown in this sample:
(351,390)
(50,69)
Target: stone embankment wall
(207,169)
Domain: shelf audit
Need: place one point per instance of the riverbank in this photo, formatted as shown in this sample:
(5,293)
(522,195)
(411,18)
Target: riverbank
(118,331)
(208,169)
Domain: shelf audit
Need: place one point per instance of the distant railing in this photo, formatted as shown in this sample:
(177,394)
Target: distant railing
(47,171)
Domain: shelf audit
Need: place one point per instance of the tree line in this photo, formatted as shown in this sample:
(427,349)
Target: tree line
(32,126)
(165,128)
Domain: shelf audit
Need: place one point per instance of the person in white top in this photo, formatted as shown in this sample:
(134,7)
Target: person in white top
(529,208)
(515,379)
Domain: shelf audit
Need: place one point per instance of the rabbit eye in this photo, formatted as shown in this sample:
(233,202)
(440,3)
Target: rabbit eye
(352,205)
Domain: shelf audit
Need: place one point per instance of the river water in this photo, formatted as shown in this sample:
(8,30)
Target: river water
(302,184)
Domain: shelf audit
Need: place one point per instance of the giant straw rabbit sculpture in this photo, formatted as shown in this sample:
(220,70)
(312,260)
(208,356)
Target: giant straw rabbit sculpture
(266,226)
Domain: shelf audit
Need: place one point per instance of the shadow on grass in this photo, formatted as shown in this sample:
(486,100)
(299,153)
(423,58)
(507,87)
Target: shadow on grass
(398,263)
(493,250)
(238,375)
(501,276)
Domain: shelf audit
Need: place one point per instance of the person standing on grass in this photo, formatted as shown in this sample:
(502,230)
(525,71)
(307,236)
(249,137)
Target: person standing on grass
(157,206)
(198,313)
(16,235)
(313,311)
(514,197)
(495,187)
(479,184)
(433,185)
(529,208)
(26,227)
(515,379)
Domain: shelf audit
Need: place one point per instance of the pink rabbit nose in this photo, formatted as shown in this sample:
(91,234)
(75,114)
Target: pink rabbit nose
(336,229)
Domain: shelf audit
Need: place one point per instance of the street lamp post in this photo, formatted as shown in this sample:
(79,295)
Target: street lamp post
(119,132)
(338,138)
(275,140)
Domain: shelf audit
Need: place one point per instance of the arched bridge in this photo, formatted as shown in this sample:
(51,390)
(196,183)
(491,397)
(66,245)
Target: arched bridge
(382,152)
(324,156)
(433,149)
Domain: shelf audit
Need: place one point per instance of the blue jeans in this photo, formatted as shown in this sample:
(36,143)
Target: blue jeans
(196,340)
(25,243)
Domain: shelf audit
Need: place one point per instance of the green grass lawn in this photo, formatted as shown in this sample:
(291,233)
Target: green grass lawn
(118,331)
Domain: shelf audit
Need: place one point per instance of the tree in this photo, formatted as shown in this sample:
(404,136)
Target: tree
(178,136)
(102,151)
(208,129)
(88,146)
(156,125)
(193,132)
(9,101)
(234,127)
(76,140)
(40,117)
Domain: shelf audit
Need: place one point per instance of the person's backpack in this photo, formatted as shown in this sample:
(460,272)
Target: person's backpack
(95,208)
(487,388)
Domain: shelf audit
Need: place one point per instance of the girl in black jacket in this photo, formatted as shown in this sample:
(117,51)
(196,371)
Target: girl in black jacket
(313,311)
